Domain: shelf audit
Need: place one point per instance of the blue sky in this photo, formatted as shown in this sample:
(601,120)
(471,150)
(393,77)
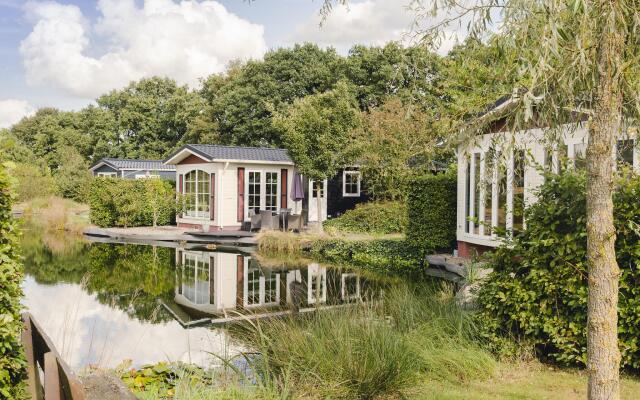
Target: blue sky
(64,53)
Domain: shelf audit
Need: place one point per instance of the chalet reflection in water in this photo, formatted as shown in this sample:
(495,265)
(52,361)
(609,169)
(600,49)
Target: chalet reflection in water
(221,287)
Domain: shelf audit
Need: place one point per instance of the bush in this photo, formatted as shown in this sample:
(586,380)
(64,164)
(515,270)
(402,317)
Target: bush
(537,292)
(374,217)
(32,182)
(384,256)
(127,203)
(431,210)
(12,361)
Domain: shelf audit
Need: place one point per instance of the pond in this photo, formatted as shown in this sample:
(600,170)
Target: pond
(102,303)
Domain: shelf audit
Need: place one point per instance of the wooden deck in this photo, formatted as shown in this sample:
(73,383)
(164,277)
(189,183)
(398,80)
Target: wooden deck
(164,235)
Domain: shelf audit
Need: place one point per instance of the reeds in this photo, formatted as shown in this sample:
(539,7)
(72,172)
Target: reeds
(374,350)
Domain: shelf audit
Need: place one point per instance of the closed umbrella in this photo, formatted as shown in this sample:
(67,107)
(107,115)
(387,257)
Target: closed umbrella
(297,191)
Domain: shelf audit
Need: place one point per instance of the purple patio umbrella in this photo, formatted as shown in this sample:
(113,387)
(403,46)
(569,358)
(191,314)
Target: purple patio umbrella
(297,191)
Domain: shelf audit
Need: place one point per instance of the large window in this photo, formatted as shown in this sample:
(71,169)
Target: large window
(350,183)
(502,189)
(108,174)
(263,189)
(197,191)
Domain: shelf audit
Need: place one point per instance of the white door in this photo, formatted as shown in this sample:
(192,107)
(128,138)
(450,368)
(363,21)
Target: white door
(313,202)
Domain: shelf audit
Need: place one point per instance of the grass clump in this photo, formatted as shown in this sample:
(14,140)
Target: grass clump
(56,214)
(283,243)
(380,349)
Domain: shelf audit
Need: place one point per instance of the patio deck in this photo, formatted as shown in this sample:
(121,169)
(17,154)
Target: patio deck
(173,234)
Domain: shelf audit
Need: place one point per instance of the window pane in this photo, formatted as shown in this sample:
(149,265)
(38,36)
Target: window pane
(502,192)
(254,192)
(488,192)
(580,155)
(476,192)
(271,191)
(519,163)
(467,203)
(624,150)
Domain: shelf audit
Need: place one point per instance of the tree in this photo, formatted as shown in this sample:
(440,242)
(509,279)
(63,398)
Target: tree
(72,177)
(395,139)
(160,196)
(317,131)
(575,55)
(242,101)
(151,116)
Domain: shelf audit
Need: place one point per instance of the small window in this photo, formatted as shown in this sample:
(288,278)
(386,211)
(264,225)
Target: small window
(317,186)
(108,174)
(351,183)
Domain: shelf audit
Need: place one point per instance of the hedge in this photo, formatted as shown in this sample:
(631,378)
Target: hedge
(129,203)
(385,256)
(537,292)
(431,211)
(373,217)
(12,362)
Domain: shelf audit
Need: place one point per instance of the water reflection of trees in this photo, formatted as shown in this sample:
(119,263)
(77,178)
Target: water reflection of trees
(132,278)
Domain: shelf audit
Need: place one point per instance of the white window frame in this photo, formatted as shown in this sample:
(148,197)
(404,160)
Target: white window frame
(107,174)
(261,286)
(195,213)
(263,189)
(206,262)
(344,182)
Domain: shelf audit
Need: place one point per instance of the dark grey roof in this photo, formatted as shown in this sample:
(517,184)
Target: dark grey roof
(151,165)
(216,152)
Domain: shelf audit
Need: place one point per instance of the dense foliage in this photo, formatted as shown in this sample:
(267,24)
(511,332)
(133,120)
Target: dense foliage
(12,361)
(408,87)
(397,139)
(128,203)
(372,217)
(431,211)
(538,290)
(385,256)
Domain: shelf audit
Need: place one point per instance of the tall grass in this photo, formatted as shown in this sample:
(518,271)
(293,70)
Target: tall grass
(375,350)
(56,214)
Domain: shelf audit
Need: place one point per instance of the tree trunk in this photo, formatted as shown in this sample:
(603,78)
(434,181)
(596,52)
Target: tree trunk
(602,331)
(319,205)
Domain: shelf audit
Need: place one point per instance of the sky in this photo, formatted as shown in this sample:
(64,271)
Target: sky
(65,53)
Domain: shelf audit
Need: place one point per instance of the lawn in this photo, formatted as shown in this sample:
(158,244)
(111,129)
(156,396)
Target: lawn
(521,381)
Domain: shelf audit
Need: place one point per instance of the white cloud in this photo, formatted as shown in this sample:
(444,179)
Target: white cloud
(184,40)
(368,22)
(12,111)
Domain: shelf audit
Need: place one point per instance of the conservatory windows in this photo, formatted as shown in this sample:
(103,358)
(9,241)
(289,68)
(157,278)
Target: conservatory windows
(197,191)
(494,191)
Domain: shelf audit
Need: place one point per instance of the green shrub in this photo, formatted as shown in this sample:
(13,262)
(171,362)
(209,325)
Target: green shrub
(431,210)
(538,290)
(386,256)
(140,202)
(374,217)
(12,361)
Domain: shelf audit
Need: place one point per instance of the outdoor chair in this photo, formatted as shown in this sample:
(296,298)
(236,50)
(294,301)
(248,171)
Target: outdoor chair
(256,220)
(269,221)
(295,222)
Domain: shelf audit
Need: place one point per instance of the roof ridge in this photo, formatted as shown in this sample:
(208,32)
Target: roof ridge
(132,159)
(236,147)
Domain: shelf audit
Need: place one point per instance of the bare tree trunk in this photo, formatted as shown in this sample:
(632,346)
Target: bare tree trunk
(602,331)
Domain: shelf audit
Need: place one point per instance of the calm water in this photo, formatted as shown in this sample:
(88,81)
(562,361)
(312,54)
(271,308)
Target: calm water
(104,303)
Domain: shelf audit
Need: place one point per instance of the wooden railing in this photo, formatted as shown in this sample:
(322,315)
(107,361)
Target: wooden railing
(44,362)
